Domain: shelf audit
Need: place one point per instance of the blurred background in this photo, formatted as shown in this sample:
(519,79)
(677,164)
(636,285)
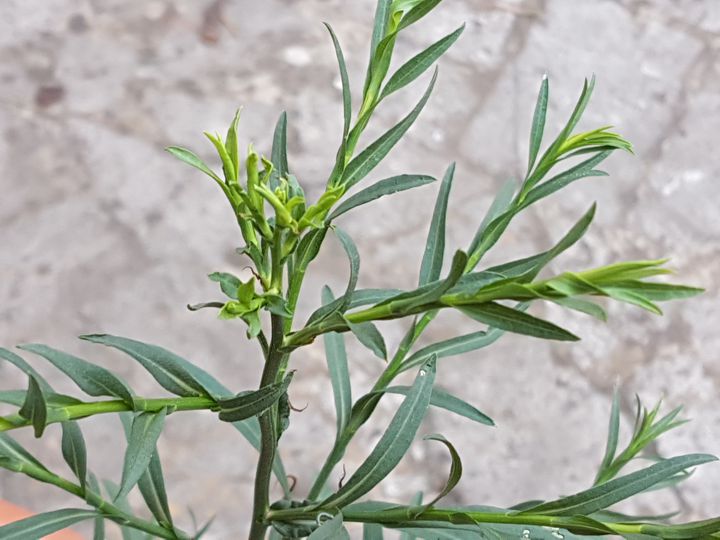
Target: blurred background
(102,231)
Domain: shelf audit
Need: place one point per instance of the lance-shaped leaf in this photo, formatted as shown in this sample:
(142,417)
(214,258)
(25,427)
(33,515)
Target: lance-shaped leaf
(347,99)
(360,297)
(512,320)
(332,529)
(419,63)
(453,346)
(445,400)
(11,450)
(455,469)
(144,433)
(613,437)
(435,244)
(499,206)
(584,169)
(17,398)
(34,408)
(74,452)
(388,186)
(167,368)
(42,525)
(152,488)
(26,368)
(354,259)
(368,334)
(279,147)
(337,363)
(619,489)
(228,283)
(92,379)
(393,444)
(380,26)
(538,123)
(191,159)
(248,404)
(368,159)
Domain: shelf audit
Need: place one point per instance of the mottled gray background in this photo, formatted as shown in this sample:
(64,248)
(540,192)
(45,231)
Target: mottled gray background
(102,231)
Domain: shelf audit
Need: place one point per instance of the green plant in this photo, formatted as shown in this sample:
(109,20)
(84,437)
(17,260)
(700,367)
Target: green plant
(283,233)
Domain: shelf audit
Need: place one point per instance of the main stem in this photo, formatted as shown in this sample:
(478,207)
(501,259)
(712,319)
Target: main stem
(268,435)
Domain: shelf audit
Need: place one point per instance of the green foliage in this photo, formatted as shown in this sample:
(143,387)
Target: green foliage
(283,233)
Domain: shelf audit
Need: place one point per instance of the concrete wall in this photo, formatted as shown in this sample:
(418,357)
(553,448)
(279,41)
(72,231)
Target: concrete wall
(101,231)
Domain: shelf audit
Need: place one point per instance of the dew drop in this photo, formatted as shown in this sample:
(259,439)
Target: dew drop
(526,534)
(422,373)
(557,534)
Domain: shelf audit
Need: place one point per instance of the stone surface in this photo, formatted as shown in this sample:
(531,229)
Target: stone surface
(101,231)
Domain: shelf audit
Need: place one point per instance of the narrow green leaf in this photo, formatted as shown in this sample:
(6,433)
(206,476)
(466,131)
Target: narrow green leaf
(393,444)
(435,245)
(248,404)
(144,433)
(419,63)
(231,144)
(568,240)
(91,378)
(368,334)
(10,449)
(512,320)
(337,363)
(74,452)
(347,98)
(499,206)
(17,398)
(360,297)
(191,159)
(35,407)
(445,400)
(430,292)
(278,156)
(308,248)
(388,186)
(42,525)
(228,283)
(583,306)
(417,12)
(368,159)
(332,529)
(228,166)
(604,495)
(372,531)
(168,369)
(152,488)
(26,368)
(538,123)
(613,436)
(453,346)
(584,169)
(380,27)
(354,259)
(455,469)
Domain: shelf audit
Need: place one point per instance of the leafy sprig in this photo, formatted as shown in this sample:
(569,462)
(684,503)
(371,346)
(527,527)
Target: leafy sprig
(283,233)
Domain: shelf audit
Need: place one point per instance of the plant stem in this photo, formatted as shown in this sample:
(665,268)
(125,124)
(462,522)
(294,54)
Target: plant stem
(404,515)
(84,410)
(107,509)
(268,435)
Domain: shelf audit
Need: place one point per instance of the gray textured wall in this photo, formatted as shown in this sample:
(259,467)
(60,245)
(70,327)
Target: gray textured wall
(103,231)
